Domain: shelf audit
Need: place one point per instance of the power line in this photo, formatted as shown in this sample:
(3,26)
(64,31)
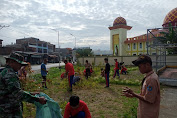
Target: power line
(2,26)
(6,36)
(16,30)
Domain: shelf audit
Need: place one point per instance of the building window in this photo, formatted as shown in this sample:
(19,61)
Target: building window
(39,50)
(44,44)
(140,45)
(134,46)
(153,53)
(128,46)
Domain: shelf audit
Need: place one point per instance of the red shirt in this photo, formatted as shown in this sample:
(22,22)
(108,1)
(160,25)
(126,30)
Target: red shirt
(69,69)
(82,107)
(116,65)
(124,69)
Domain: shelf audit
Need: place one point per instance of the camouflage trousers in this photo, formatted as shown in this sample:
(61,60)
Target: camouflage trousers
(17,114)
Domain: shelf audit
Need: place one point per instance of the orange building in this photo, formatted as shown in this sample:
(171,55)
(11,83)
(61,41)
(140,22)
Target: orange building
(122,46)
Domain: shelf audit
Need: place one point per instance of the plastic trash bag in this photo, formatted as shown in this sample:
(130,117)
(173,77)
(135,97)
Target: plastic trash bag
(49,110)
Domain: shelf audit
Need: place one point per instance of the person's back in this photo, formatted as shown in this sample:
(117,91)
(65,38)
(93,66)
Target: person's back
(70,69)
(43,69)
(8,76)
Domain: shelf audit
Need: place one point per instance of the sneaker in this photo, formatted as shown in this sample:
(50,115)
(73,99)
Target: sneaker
(106,86)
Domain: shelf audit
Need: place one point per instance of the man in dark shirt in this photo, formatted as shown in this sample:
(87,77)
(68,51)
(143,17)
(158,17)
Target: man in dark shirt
(107,69)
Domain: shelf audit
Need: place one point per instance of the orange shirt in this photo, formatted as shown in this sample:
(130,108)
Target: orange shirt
(69,69)
(151,93)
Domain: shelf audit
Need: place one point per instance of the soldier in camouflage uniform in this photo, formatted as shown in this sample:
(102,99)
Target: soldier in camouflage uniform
(11,94)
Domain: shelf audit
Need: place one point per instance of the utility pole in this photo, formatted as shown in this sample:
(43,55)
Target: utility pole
(75,39)
(74,51)
(2,26)
(58,46)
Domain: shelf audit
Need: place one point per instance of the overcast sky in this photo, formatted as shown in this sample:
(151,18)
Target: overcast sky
(86,20)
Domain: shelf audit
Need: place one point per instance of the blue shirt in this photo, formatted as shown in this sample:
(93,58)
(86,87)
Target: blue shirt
(43,70)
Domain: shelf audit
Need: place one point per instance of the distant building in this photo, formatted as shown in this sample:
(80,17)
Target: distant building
(6,50)
(1,42)
(35,45)
(65,53)
(122,46)
(118,34)
(33,50)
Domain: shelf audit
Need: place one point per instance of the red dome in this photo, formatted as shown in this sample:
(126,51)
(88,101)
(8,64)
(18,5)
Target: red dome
(171,17)
(119,21)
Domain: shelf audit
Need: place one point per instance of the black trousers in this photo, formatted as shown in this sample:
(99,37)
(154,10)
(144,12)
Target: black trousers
(87,72)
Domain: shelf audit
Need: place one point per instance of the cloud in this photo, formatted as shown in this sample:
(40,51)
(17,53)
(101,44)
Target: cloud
(87,20)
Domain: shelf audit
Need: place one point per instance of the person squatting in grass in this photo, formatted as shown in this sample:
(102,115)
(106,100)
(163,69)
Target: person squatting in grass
(123,70)
(44,73)
(149,98)
(76,108)
(69,70)
(11,94)
(116,69)
(75,78)
(107,69)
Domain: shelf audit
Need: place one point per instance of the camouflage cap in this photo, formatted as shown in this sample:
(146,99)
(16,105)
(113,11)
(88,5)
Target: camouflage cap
(142,59)
(17,57)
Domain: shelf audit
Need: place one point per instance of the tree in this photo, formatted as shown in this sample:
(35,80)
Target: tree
(84,52)
(169,37)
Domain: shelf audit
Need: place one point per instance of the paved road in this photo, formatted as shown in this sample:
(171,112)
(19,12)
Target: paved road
(49,65)
(168,104)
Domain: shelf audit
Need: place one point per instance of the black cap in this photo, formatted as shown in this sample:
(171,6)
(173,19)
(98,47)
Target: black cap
(142,59)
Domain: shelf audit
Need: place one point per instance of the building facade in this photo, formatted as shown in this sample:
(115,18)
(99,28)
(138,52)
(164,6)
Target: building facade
(35,45)
(123,46)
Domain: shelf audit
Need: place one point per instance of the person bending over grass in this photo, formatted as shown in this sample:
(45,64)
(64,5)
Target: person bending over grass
(149,98)
(76,108)
(69,70)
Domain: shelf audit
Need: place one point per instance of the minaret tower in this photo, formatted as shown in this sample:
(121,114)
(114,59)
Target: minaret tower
(118,34)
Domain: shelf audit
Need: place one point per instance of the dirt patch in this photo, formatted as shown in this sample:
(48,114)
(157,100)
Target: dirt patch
(102,102)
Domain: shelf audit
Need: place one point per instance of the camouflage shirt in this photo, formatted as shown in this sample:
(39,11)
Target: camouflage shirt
(11,94)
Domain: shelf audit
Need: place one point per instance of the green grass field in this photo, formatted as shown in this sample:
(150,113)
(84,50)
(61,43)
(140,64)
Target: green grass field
(102,102)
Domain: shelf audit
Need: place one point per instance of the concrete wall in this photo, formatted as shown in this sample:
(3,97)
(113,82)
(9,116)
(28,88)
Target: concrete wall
(171,60)
(99,60)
